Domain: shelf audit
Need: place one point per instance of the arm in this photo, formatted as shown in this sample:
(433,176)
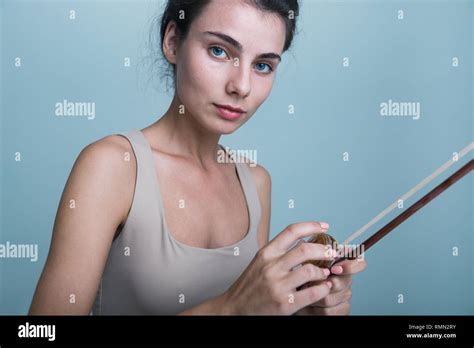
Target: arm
(95,200)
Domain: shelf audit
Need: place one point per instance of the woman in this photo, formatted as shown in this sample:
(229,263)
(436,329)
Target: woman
(151,222)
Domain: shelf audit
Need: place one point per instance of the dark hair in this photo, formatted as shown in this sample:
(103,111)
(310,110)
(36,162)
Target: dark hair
(288,10)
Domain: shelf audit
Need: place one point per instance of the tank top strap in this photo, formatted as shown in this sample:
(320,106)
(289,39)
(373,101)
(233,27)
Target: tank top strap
(250,188)
(144,195)
(141,150)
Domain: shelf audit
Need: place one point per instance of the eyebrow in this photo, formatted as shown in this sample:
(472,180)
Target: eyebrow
(238,46)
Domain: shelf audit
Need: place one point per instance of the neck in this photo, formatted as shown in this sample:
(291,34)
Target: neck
(183,136)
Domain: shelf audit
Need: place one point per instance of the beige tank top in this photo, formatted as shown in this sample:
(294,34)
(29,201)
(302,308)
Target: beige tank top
(148,272)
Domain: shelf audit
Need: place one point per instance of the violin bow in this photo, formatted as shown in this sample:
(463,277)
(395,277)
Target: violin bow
(369,242)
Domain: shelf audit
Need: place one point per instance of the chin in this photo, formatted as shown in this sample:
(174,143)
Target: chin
(221,128)
(226,132)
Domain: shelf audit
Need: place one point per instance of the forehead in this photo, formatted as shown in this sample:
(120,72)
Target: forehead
(258,30)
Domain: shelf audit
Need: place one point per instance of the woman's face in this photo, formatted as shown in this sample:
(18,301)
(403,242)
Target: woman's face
(212,70)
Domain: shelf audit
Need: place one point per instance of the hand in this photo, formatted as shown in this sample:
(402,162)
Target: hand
(268,285)
(337,301)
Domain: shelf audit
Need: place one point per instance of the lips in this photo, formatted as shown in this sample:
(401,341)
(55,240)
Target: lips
(231,108)
(229,112)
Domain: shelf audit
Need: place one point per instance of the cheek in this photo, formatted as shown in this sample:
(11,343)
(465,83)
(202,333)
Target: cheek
(261,88)
(198,78)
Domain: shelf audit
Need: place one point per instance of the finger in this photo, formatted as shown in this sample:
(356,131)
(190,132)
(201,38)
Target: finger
(311,294)
(334,299)
(298,243)
(305,252)
(305,274)
(347,267)
(345,250)
(340,282)
(341,309)
(285,239)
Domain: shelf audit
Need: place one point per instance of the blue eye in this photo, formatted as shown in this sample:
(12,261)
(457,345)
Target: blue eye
(263,65)
(217,51)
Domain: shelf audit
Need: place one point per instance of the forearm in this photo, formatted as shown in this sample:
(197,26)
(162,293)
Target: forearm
(215,306)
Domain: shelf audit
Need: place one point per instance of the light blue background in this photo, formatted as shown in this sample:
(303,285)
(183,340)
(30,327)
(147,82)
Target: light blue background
(336,110)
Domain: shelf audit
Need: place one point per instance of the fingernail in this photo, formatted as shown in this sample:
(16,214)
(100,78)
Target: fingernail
(329,284)
(324,225)
(337,269)
(326,271)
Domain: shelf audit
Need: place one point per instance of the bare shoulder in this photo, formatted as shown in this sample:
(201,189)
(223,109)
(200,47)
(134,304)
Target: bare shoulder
(112,164)
(111,149)
(109,154)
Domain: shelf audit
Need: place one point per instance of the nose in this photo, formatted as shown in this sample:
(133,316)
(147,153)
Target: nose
(239,82)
